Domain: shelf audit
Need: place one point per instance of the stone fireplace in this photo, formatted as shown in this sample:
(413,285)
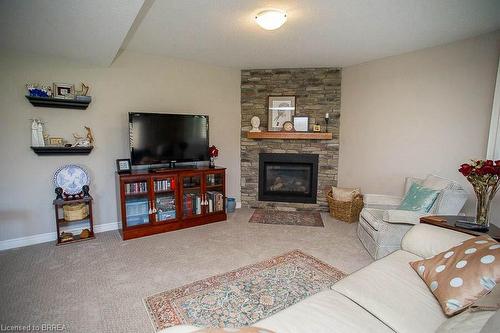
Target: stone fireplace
(288,177)
(317,91)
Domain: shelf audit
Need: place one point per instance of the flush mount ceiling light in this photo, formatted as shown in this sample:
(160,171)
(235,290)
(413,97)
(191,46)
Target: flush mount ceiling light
(270,19)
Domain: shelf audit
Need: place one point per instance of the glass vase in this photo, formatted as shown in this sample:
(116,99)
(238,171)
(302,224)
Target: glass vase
(483,208)
(211,164)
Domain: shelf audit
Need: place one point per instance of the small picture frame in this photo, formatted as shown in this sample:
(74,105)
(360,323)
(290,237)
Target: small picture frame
(56,141)
(123,165)
(64,91)
(316,128)
(301,124)
(280,109)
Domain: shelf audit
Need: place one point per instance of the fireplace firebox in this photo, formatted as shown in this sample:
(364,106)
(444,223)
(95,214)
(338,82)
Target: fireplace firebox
(288,177)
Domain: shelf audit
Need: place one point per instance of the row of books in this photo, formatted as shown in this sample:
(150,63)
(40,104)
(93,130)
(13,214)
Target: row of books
(136,188)
(192,204)
(215,201)
(164,185)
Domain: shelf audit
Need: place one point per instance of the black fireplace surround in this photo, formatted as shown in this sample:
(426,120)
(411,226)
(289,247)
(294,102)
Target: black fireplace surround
(288,177)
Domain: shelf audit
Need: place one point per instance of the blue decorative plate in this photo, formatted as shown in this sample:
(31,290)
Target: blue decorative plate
(71,178)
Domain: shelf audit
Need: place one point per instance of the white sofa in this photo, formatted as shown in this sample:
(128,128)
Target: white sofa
(385,296)
(382,225)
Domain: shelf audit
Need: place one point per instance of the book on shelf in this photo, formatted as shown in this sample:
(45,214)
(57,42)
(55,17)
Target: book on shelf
(215,201)
(164,185)
(140,187)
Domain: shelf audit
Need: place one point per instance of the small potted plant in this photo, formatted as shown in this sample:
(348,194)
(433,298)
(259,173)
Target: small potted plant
(484,177)
(213,152)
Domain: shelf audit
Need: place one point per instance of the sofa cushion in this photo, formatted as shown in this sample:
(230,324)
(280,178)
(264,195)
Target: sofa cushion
(466,322)
(391,291)
(426,240)
(374,217)
(325,312)
(462,274)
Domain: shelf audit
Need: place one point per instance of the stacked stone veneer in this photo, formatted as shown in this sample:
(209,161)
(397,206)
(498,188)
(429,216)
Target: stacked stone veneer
(317,91)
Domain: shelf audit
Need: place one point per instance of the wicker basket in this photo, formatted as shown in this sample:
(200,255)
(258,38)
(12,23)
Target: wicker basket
(347,211)
(75,211)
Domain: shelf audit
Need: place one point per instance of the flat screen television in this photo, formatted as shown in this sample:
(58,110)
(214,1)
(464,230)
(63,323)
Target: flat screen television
(158,138)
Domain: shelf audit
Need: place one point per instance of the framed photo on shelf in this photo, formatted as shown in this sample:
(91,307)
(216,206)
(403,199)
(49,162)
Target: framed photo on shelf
(301,124)
(280,109)
(316,128)
(64,90)
(123,165)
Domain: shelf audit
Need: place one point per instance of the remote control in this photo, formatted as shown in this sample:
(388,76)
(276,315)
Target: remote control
(470,226)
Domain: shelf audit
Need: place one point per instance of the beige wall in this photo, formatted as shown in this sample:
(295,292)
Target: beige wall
(134,82)
(417,113)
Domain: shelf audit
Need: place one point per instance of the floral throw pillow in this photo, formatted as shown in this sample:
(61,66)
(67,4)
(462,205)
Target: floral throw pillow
(463,274)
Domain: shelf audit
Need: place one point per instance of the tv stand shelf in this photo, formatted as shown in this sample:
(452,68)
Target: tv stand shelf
(170,199)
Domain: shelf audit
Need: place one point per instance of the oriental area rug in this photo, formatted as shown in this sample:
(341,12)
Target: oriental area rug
(243,296)
(310,219)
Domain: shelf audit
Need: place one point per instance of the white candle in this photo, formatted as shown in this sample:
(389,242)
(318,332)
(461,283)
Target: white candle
(327,115)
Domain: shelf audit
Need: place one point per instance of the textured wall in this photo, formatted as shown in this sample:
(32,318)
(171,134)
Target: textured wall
(317,91)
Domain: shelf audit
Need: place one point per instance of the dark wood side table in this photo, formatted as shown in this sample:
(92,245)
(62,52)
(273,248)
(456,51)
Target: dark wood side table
(448,222)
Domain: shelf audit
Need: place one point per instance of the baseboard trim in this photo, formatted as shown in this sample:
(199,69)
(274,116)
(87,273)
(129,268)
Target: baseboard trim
(50,236)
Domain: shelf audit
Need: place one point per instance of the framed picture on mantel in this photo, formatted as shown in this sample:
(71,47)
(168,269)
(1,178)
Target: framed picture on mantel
(280,109)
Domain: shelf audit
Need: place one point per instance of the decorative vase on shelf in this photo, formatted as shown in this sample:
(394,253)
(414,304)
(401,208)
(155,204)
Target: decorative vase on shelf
(484,177)
(213,152)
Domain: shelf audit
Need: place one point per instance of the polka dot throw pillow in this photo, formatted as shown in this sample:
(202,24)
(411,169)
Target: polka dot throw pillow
(463,274)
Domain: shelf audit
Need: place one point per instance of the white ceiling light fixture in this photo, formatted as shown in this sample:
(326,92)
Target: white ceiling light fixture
(271,19)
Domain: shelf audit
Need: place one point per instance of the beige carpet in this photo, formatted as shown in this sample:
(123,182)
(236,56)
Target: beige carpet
(98,286)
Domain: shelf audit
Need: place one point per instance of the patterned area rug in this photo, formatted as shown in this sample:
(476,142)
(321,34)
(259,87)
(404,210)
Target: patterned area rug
(310,219)
(243,296)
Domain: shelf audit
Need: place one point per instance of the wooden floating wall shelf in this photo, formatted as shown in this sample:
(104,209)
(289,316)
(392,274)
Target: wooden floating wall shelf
(50,102)
(290,135)
(50,150)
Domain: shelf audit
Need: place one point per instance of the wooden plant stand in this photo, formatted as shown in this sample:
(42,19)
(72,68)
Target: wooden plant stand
(58,207)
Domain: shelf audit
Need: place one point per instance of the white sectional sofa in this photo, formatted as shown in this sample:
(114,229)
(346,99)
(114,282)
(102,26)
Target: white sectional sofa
(385,296)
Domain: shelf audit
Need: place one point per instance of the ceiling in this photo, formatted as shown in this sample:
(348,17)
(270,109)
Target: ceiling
(91,31)
(223,32)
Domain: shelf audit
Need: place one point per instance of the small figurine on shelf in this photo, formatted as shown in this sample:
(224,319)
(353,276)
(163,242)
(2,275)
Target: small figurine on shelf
(66,236)
(213,152)
(85,190)
(86,141)
(59,193)
(85,234)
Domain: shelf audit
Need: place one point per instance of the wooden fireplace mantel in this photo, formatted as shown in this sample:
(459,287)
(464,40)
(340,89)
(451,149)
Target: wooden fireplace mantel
(290,135)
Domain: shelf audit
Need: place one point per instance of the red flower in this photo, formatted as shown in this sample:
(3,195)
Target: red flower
(213,151)
(497,163)
(486,169)
(488,163)
(465,169)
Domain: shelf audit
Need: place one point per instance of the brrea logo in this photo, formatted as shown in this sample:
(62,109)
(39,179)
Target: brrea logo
(33,328)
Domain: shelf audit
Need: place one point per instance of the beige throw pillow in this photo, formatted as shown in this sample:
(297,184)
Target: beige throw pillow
(344,194)
(461,275)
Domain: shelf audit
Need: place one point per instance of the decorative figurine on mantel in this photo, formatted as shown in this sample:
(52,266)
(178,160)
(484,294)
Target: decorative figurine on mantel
(255,121)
